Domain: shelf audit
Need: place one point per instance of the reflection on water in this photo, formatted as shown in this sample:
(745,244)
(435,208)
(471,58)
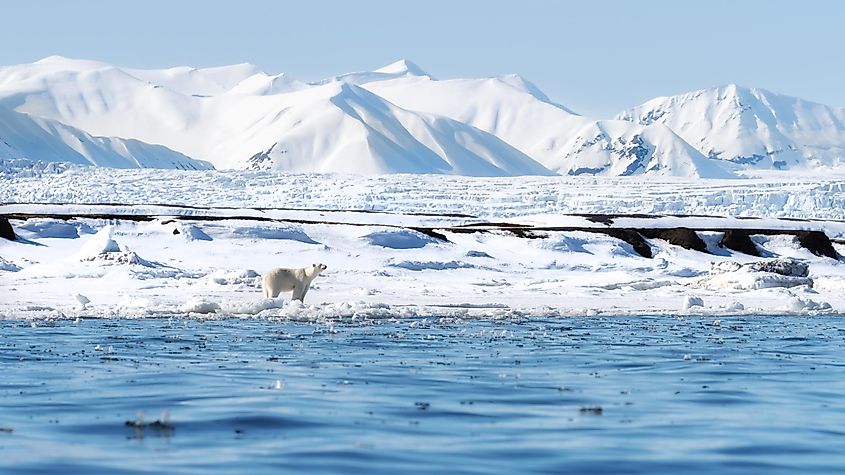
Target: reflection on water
(620,395)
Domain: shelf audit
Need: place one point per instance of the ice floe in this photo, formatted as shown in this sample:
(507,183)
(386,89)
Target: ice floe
(756,275)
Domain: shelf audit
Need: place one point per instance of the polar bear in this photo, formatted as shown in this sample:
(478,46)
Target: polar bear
(279,280)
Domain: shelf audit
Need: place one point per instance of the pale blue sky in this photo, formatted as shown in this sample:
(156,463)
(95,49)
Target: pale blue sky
(596,57)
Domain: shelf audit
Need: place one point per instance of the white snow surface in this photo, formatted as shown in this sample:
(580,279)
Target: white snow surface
(380,267)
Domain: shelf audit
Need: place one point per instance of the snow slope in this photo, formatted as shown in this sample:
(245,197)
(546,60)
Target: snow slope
(32,138)
(345,128)
(102,100)
(394,119)
(516,111)
(751,127)
(193,81)
(238,117)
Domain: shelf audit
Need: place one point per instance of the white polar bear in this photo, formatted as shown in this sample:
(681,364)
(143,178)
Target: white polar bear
(279,280)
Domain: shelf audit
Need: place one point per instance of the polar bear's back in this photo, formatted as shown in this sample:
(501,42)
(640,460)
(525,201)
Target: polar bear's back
(282,279)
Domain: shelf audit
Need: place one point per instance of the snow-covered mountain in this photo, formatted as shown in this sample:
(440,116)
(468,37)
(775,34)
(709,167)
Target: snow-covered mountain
(239,117)
(751,128)
(25,137)
(393,119)
(399,119)
(344,128)
(516,111)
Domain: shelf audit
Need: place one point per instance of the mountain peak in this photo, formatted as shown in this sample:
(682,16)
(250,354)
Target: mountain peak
(735,90)
(729,91)
(402,67)
(732,88)
(52,59)
(62,62)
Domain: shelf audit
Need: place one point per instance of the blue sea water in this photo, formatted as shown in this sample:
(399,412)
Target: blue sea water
(752,394)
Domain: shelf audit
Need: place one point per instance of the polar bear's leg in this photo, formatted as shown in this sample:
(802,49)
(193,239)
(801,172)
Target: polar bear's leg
(305,288)
(271,288)
(299,291)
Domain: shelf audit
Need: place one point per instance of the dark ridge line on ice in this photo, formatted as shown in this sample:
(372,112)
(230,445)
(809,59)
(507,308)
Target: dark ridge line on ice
(173,218)
(461,228)
(737,239)
(514,228)
(262,209)
(428,230)
(603,218)
(609,217)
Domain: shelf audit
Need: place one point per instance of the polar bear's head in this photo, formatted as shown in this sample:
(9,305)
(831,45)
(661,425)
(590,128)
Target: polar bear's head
(314,270)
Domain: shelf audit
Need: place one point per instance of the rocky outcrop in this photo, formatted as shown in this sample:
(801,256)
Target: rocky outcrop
(818,243)
(739,240)
(684,237)
(6,231)
(632,237)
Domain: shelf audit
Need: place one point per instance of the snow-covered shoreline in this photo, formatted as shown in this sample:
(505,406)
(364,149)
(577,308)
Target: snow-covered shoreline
(380,267)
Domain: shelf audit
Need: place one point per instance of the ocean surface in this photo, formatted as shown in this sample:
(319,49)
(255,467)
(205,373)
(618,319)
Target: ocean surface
(751,394)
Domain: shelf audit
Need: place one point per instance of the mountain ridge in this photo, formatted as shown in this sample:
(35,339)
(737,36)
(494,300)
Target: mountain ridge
(399,118)
(751,127)
(36,138)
